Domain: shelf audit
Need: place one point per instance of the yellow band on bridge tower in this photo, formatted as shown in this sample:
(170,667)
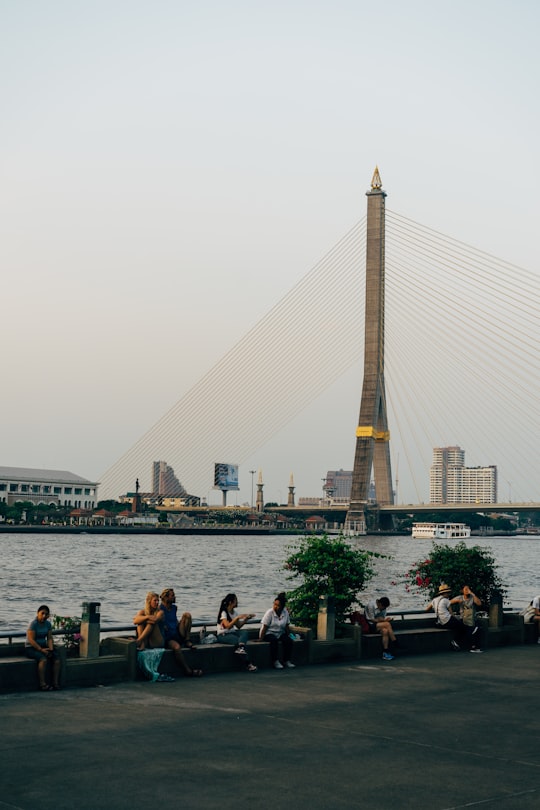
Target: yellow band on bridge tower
(369,432)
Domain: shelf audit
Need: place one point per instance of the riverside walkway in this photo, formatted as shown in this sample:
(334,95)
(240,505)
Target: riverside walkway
(439,732)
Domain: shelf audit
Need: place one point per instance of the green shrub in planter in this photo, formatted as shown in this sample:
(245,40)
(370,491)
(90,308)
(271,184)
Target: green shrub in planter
(457,565)
(327,566)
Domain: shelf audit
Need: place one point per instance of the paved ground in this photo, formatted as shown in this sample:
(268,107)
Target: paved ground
(442,732)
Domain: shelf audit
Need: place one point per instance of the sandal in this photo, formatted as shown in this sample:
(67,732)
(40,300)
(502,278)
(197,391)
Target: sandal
(195,673)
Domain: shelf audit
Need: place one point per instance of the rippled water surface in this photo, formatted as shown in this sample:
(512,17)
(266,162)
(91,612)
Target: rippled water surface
(117,570)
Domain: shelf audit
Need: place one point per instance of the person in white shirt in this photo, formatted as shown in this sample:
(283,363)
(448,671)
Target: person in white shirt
(375,613)
(536,618)
(445,618)
(275,627)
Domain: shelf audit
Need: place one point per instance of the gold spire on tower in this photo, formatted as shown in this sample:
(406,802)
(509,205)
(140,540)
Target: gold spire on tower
(376,182)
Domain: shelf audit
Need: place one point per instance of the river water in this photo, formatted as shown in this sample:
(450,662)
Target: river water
(117,570)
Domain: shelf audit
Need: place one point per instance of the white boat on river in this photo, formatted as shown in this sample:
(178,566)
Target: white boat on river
(440,531)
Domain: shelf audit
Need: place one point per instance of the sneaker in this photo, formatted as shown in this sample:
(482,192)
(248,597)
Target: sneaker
(289,665)
(455,645)
(278,665)
(475,650)
(387,656)
(240,651)
(538,642)
(251,668)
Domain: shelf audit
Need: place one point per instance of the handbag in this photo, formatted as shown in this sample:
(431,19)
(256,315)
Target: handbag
(528,613)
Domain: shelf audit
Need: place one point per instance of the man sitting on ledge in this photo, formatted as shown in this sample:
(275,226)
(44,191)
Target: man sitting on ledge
(375,612)
(177,632)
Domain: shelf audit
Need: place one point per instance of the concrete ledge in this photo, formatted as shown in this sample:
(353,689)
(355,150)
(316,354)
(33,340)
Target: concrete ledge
(410,641)
(125,648)
(216,658)
(117,661)
(530,633)
(100,671)
(19,673)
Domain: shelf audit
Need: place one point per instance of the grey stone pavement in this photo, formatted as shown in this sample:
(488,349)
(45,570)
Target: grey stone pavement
(442,732)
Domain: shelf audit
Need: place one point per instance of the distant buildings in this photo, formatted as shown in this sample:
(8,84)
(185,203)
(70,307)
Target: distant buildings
(164,481)
(338,486)
(167,491)
(48,487)
(450,481)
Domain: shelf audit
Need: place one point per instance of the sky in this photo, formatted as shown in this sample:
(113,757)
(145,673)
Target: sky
(169,170)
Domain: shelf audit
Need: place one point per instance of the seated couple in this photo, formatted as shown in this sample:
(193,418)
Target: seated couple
(158,626)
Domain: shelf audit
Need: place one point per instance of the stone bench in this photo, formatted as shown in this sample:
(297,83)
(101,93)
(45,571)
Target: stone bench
(19,673)
(215,658)
(413,637)
(423,636)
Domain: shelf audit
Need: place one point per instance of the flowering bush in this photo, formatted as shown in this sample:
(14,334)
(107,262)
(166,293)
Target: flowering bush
(328,567)
(457,566)
(71,626)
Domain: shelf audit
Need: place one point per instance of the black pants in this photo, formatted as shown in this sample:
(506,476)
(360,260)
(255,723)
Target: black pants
(459,630)
(274,646)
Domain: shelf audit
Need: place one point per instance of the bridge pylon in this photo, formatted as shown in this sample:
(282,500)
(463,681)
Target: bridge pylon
(372,434)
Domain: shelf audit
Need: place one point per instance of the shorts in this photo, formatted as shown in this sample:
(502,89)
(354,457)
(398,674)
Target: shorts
(177,637)
(37,655)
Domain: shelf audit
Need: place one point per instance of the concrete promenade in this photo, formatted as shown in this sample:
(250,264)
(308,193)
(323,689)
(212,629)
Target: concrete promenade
(444,731)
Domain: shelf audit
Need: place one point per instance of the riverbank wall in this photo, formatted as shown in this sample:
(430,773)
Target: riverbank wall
(116,660)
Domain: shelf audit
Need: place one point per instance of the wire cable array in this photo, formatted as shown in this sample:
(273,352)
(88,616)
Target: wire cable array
(462,366)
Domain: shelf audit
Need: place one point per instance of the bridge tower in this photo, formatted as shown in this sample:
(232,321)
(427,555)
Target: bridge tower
(372,434)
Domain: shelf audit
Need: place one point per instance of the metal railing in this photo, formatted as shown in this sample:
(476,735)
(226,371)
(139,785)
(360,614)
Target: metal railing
(106,630)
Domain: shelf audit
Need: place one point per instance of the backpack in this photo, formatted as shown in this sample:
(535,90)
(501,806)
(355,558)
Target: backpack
(359,618)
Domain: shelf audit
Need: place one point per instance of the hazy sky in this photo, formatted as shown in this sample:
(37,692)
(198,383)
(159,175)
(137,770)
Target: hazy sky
(169,170)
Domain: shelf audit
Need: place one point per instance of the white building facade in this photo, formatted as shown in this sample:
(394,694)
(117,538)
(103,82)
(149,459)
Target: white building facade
(450,481)
(48,487)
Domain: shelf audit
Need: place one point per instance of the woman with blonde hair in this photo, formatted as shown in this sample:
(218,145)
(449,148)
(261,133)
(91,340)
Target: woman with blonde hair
(149,623)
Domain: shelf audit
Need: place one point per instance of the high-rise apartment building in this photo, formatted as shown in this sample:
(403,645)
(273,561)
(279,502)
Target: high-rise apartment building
(338,485)
(164,481)
(450,481)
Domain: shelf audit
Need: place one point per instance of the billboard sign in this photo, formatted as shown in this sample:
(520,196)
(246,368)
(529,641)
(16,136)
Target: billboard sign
(226,477)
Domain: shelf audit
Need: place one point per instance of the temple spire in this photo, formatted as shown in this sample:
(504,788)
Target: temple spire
(376,182)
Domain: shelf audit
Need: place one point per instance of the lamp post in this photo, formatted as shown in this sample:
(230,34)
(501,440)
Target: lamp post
(252,473)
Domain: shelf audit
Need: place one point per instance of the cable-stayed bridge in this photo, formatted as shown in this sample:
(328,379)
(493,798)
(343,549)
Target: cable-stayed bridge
(462,367)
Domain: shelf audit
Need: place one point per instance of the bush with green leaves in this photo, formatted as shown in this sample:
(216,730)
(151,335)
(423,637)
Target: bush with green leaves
(71,626)
(327,566)
(457,566)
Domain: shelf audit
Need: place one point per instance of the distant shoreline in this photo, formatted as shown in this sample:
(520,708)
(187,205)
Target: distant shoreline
(223,530)
(10,529)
